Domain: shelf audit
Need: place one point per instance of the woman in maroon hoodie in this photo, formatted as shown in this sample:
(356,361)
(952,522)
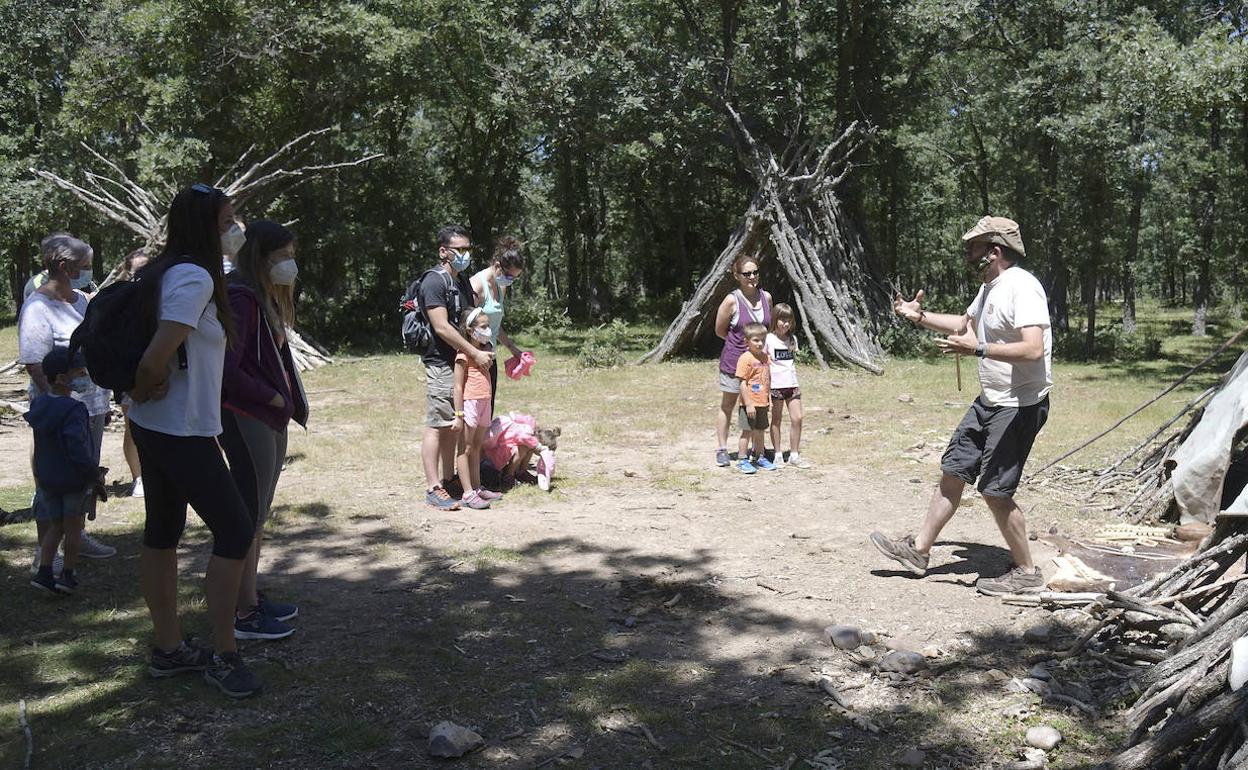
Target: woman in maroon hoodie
(261,395)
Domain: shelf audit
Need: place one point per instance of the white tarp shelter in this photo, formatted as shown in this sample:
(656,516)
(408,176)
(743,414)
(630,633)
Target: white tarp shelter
(1200,464)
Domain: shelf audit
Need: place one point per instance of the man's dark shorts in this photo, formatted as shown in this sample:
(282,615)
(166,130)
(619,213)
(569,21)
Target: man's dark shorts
(992,443)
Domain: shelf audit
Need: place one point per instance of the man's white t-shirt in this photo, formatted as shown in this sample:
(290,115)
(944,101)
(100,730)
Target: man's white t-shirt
(783,366)
(45,323)
(193,405)
(1001,309)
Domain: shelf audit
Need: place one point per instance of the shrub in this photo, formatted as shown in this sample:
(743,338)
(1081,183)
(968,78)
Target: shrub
(604,346)
(535,314)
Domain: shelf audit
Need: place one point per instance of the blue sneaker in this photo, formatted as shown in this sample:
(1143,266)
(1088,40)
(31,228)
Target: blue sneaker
(257,625)
(745,467)
(721,458)
(280,610)
(765,464)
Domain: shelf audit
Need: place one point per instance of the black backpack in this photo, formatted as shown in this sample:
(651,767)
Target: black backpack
(117,328)
(418,335)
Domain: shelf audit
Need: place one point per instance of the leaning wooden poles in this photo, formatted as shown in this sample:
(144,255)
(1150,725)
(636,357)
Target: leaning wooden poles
(796,219)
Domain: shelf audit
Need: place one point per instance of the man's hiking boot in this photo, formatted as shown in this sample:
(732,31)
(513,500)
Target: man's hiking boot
(1016,581)
(231,676)
(440,499)
(187,657)
(901,550)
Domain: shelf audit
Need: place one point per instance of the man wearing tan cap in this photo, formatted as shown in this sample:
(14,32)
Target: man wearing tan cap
(1007,327)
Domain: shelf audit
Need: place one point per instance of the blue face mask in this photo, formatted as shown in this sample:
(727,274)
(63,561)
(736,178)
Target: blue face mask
(82,281)
(461,260)
(81,384)
(504,280)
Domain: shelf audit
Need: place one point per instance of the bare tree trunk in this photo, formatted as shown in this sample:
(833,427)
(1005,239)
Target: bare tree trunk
(1209,196)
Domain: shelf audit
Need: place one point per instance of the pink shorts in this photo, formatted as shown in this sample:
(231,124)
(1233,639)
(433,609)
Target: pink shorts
(477,412)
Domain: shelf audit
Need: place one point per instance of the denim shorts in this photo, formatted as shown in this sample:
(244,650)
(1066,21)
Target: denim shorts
(57,505)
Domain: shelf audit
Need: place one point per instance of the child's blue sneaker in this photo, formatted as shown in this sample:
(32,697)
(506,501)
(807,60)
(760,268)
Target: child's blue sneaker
(746,467)
(765,464)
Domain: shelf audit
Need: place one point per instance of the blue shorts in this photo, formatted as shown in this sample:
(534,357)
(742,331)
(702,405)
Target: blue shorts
(51,506)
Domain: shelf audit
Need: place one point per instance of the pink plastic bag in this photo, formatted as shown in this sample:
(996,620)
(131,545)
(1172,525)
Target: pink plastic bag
(545,468)
(519,366)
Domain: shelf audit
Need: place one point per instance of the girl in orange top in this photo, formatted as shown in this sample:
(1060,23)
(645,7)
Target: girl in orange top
(472,410)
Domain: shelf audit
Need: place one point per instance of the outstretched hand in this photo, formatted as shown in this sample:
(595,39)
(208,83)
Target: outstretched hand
(963,344)
(912,311)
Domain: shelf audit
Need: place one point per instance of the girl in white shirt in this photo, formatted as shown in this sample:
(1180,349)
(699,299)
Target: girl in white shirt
(782,350)
(175,420)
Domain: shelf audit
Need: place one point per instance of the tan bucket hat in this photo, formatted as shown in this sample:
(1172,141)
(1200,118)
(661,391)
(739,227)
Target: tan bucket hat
(999,230)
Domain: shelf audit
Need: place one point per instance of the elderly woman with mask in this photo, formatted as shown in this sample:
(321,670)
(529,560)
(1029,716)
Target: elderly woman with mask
(48,318)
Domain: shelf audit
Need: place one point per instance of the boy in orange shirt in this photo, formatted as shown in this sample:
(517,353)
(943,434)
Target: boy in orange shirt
(754,372)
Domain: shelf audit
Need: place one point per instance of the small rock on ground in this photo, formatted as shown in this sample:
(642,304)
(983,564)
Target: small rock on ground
(912,758)
(903,662)
(1043,737)
(448,739)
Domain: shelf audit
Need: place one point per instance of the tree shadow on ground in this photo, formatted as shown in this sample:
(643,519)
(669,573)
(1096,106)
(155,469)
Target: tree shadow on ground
(604,657)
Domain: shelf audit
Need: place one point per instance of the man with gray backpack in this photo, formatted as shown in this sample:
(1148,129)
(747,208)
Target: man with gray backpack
(430,327)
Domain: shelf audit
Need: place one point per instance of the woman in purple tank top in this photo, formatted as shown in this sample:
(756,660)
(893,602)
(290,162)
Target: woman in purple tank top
(746,304)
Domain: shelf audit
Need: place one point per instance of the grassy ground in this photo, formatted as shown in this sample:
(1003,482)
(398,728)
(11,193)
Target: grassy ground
(514,621)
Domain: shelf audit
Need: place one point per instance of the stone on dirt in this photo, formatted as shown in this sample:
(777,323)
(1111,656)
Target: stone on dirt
(903,662)
(1038,634)
(906,398)
(912,758)
(843,637)
(1043,737)
(448,739)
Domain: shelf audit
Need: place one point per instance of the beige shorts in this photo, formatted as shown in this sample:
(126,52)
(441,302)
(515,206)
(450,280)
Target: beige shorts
(439,395)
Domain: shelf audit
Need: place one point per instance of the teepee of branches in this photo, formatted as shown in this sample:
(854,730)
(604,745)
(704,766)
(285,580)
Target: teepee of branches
(796,219)
(118,197)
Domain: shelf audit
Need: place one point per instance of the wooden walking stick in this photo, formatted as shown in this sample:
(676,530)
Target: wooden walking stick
(957,363)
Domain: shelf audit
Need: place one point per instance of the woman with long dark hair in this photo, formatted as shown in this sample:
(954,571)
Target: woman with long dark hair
(262,395)
(175,419)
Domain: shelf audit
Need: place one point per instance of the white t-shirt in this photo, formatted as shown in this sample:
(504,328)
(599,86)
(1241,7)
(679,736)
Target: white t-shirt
(1001,309)
(783,366)
(193,404)
(46,322)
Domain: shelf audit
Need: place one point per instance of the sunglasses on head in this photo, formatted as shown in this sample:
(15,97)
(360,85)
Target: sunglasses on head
(200,187)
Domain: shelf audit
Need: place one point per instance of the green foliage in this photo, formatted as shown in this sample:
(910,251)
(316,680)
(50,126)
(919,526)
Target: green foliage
(604,346)
(536,314)
(601,135)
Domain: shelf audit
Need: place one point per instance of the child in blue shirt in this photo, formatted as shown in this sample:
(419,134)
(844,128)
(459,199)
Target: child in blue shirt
(65,469)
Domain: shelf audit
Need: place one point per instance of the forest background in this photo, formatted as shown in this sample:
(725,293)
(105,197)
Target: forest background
(599,132)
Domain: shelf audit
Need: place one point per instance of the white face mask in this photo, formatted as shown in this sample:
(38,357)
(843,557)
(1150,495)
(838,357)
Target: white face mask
(232,240)
(81,384)
(283,273)
(82,281)
(485,335)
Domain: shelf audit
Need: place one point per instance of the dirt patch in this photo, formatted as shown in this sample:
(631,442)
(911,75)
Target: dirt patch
(666,616)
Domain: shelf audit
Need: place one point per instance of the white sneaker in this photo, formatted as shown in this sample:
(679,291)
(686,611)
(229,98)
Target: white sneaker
(795,459)
(779,461)
(94,549)
(57,563)
(136,489)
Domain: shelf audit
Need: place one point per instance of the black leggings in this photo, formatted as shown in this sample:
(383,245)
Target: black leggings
(178,470)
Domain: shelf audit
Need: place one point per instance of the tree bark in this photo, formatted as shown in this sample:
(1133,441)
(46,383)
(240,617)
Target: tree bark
(1209,198)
